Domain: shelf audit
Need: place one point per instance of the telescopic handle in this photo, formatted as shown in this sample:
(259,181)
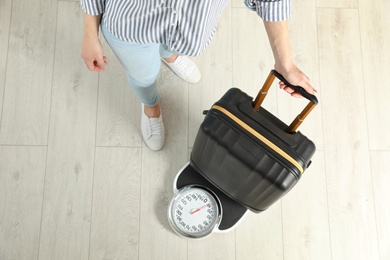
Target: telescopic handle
(299,119)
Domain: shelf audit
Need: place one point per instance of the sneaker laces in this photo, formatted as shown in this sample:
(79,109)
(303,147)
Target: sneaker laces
(183,66)
(154,126)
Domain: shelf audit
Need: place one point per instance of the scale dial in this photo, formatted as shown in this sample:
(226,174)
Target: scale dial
(194,212)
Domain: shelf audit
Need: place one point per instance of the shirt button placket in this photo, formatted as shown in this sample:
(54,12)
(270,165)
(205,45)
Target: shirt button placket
(172,28)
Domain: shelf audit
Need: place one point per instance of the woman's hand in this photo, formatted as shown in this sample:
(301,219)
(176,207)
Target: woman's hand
(92,50)
(296,77)
(92,54)
(279,39)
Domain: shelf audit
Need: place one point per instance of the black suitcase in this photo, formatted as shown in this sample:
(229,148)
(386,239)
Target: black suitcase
(247,152)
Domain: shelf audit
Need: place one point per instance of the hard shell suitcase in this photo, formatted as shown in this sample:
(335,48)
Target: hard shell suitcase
(248,153)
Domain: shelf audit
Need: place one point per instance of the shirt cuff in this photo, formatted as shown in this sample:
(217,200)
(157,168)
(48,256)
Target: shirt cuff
(270,10)
(93,7)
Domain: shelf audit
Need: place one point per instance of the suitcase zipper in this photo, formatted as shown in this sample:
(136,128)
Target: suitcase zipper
(260,137)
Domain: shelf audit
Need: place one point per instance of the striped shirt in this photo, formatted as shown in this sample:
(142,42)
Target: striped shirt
(185,26)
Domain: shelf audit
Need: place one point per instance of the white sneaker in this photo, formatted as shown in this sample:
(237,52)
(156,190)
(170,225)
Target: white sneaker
(185,69)
(152,131)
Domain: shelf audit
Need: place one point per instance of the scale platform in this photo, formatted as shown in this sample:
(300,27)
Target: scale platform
(232,212)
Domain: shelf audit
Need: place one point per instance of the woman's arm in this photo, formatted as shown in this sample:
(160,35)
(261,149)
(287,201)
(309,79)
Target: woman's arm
(279,39)
(92,50)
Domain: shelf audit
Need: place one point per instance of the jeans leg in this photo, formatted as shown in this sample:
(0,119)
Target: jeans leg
(142,65)
(164,51)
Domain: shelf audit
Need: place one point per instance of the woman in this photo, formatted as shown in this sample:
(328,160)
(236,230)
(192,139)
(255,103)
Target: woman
(142,32)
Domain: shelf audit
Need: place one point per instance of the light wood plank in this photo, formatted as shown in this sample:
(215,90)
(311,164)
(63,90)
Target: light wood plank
(118,110)
(337,4)
(5,21)
(22,172)
(157,240)
(218,246)
(351,205)
(305,216)
(381,180)
(29,73)
(375,37)
(259,236)
(116,204)
(68,190)
(216,67)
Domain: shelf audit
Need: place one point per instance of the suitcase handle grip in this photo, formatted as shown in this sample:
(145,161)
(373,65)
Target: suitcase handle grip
(298,89)
(299,119)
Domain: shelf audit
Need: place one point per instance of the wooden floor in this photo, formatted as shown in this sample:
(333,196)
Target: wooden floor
(77,182)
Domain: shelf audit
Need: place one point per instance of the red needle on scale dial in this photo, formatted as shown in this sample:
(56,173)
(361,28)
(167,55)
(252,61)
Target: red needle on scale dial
(198,209)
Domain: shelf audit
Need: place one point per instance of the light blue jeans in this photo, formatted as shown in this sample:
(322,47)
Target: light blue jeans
(142,64)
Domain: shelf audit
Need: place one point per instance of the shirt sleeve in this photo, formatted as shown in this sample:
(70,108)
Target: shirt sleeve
(93,7)
(270,10)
